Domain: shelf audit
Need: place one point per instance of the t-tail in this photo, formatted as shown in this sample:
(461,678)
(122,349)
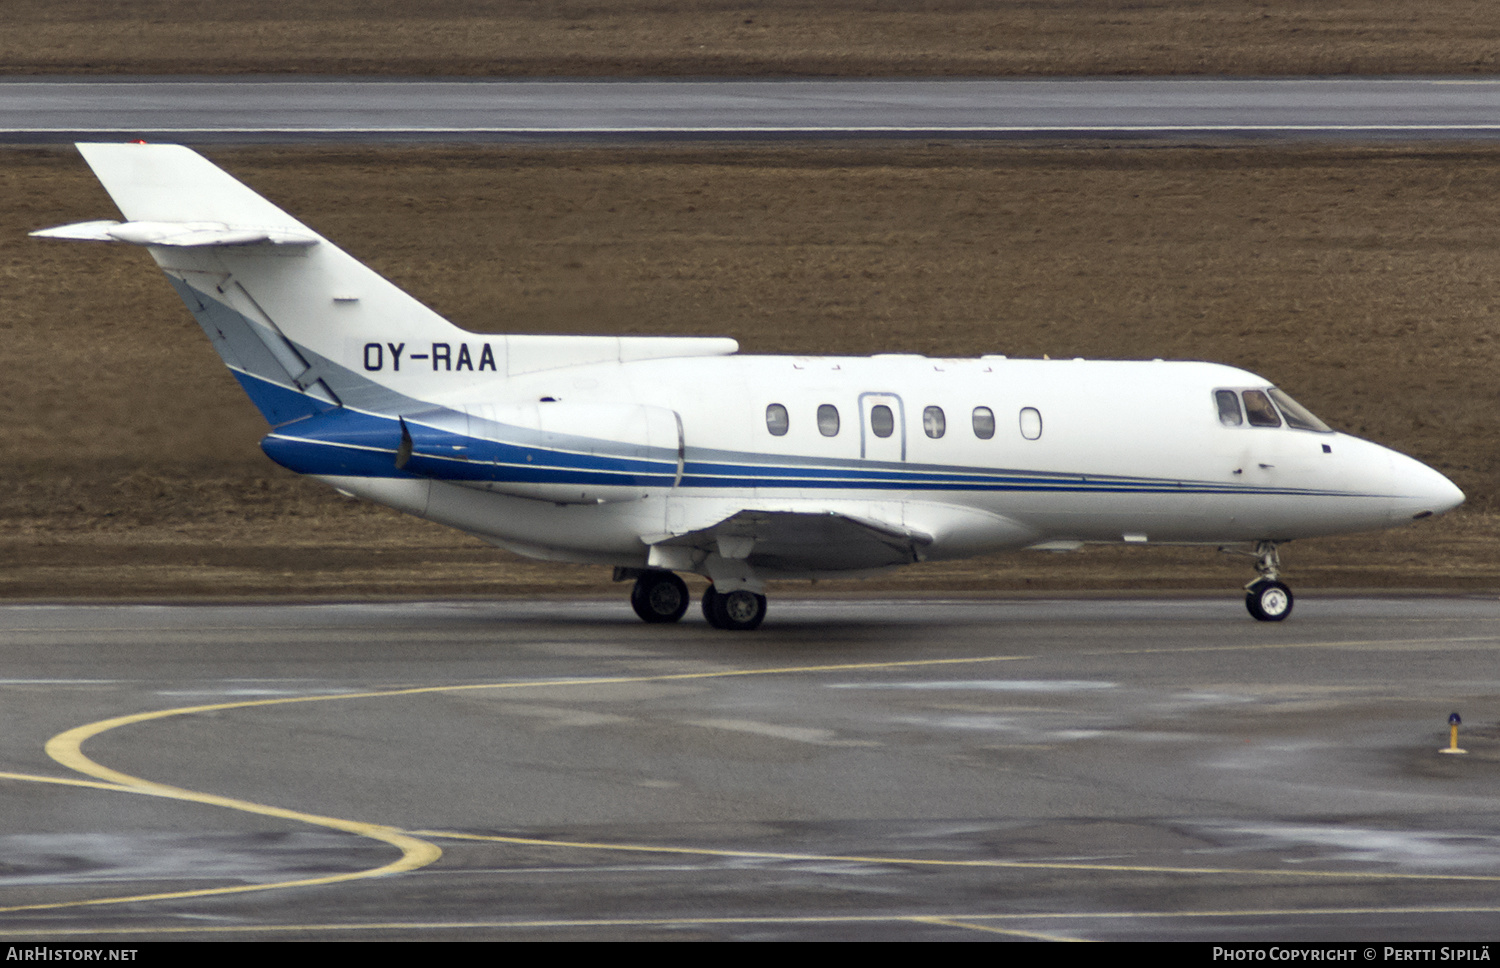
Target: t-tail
(304,326)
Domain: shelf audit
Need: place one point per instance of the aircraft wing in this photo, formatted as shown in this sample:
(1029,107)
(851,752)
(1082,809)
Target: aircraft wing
(791,541)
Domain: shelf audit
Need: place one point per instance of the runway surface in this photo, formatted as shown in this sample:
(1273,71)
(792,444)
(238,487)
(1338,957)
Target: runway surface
(879,770)
(377,110)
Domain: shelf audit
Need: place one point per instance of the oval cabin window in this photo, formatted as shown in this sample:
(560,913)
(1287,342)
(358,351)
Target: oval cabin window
(1031,423)
(828,420)
(882,421)
(934,423)
(984,423)
(777,420)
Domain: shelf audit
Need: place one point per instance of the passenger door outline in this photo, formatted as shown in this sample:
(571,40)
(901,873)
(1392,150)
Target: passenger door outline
(882,448)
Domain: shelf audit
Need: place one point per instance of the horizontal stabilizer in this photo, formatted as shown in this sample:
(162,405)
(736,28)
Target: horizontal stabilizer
(175,234)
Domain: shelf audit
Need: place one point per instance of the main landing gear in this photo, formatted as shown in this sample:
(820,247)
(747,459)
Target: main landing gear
(660,596)
(736,611)
(1266,597)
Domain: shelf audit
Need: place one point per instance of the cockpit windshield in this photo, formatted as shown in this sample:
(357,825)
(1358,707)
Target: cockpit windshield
(1297,416)
(1269,407)
(1258,408)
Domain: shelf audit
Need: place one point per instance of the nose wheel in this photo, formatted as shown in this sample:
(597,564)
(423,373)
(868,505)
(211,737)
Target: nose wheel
(1267,598)
(736,611)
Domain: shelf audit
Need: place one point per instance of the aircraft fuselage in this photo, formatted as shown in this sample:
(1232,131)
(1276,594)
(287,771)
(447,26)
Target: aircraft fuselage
(969,456)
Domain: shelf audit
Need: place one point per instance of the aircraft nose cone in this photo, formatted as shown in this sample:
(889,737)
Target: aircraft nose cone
(1427,492)
(1446,495)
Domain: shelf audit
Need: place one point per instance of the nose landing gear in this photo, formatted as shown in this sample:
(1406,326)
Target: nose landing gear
(1267,599)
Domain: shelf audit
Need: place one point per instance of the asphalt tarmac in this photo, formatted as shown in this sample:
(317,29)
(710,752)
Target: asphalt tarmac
(1017,769)
(369,110)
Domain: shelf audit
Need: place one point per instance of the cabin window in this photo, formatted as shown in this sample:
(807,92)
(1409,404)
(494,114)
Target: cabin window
(1031,423)
(1229,408)
(828,420)
(1258,408)
(882,422)
(1297,416)
(934,423)
(777,420)
(984,423)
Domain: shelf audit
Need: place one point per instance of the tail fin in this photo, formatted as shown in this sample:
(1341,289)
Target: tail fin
(304,326)
(282,306)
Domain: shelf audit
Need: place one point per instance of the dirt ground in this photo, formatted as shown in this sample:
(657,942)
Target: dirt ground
(1363,280)
(749,37)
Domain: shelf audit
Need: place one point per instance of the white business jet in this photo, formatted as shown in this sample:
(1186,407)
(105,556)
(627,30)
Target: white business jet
(658,455)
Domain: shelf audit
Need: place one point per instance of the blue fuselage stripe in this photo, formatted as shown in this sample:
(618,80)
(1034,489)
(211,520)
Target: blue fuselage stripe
(345,442)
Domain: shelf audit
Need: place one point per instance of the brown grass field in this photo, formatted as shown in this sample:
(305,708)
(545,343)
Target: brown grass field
(1364,280)
(749,37)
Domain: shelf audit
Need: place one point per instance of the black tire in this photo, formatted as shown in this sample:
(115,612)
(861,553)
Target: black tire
(659,596)
(1269,601)
(709,595)
(736,611)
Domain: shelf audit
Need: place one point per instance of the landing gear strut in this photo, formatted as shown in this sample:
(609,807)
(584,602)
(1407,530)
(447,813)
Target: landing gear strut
(659,596)
(1266,597)
(736,611)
